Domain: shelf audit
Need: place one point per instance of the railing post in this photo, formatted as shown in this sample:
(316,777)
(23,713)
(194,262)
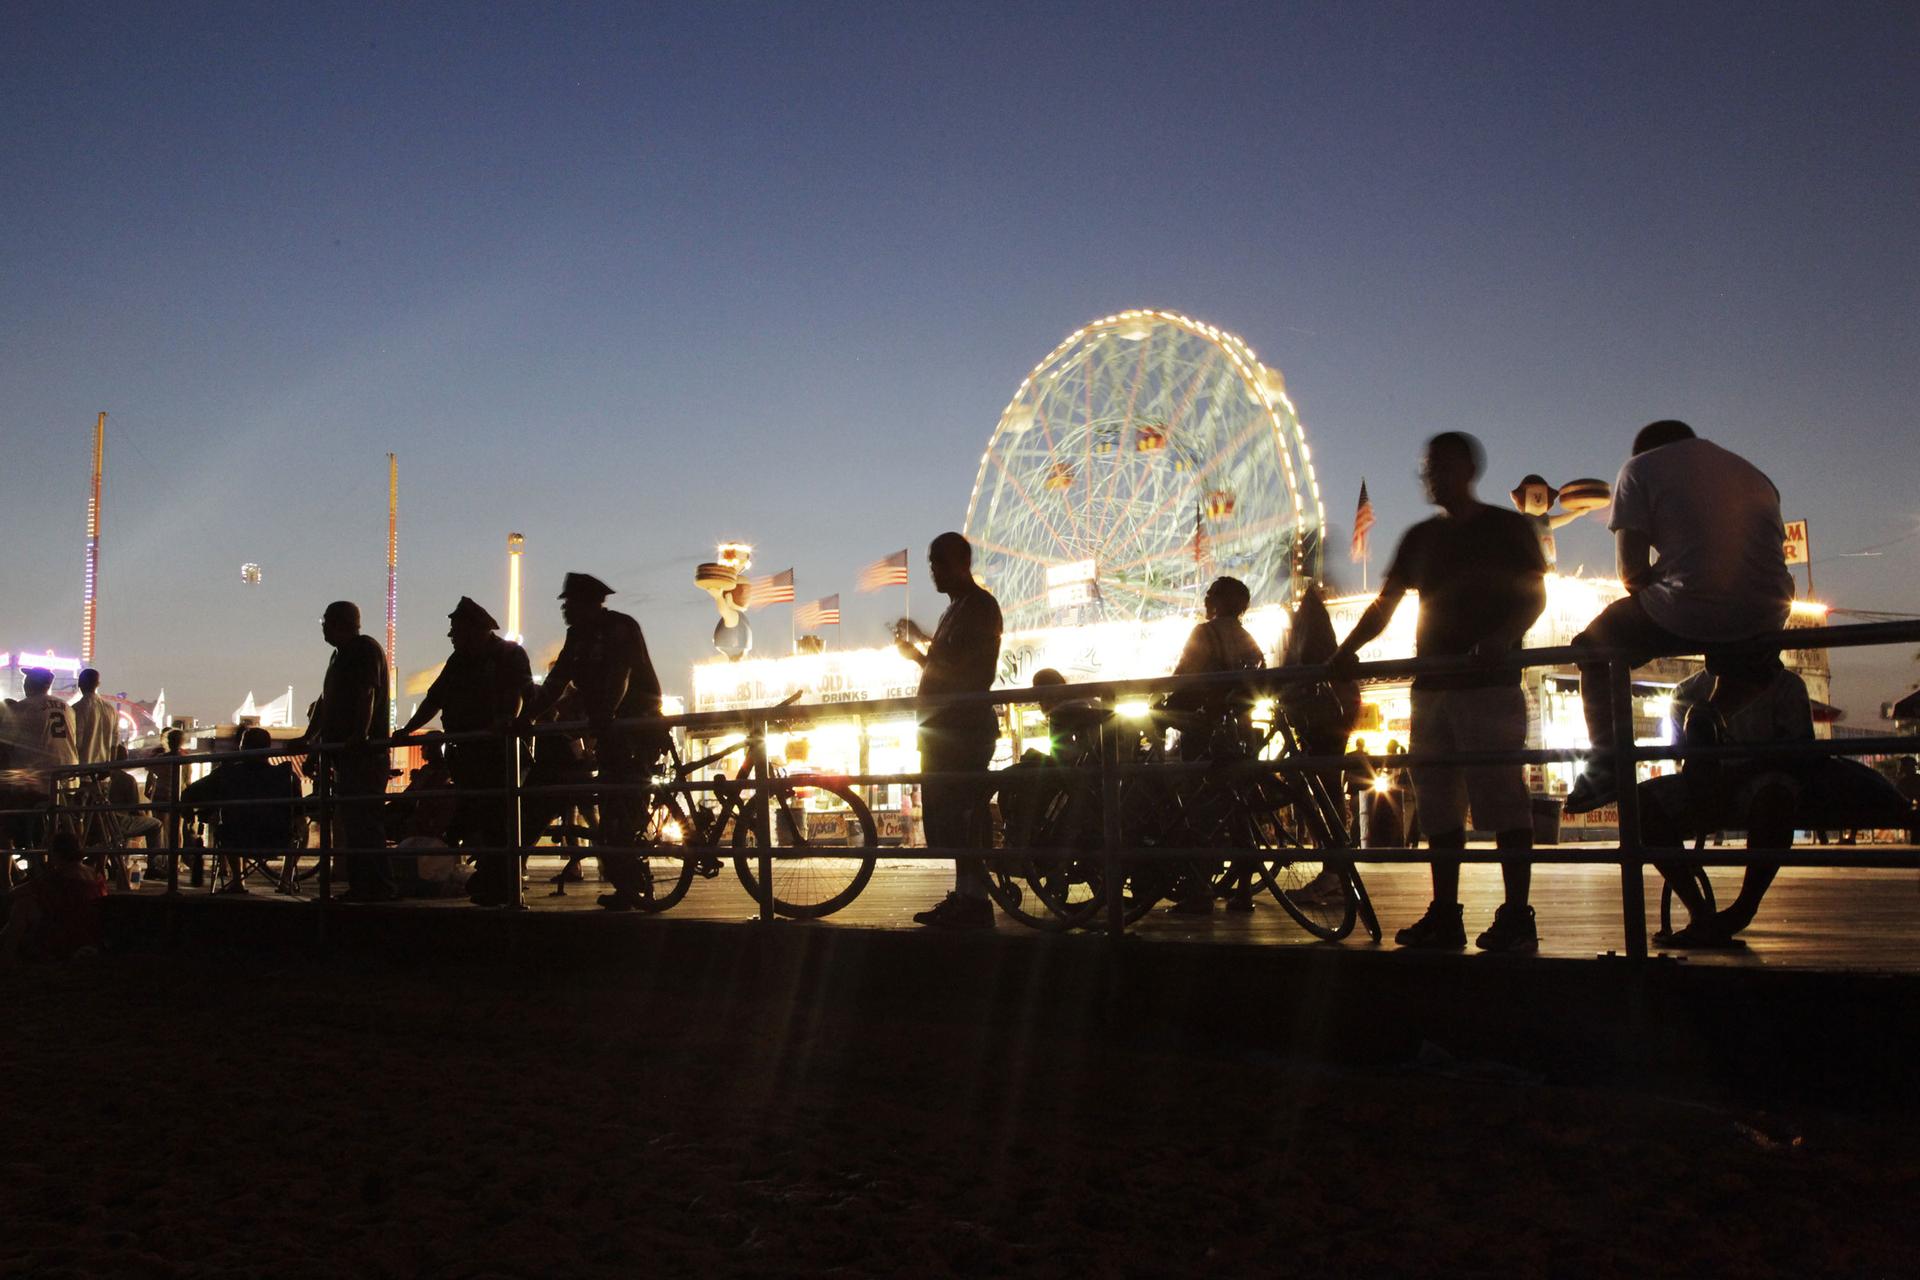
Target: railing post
(1110,832)
(323,798)
(763,819)
(517,900)
(174,833)
(1633,898)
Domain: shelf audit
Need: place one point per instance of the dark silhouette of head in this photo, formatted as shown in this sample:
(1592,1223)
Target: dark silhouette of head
(469,625)
(340,622)
(254,738)
(582,596)
(1310,633)
(35,681)
(89,680)
(1047,678)
(1227,598)
(1655,434)
(175,738)
(950,560)
(63,846)
(1450,464)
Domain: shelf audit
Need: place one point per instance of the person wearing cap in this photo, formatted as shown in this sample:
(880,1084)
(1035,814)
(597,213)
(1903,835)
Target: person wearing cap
(605,660)
(478,690)
(351,711)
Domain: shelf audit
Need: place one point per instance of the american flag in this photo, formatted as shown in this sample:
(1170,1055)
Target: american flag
(888,571)
(1362,524)
(775,588)
(824,612)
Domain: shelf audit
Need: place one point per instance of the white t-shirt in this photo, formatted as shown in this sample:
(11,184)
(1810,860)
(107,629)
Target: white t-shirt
(1714,521)
(40,731)
(96,728)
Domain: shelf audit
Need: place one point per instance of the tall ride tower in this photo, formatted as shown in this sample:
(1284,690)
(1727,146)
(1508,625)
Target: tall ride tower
(515,546)
(393,592)
(90,592)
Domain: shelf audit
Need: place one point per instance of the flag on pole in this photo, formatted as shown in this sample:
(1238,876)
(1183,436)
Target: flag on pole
(775,588)
(1362,524)
(824,612)
(888,571)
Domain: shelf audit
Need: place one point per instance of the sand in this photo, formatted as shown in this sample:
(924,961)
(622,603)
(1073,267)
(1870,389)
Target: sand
(179,1116)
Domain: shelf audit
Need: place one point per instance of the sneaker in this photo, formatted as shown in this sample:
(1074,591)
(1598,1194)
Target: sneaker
(1439,928)
(1592,790)
(1512,931)
(1195,906)
(619,901)
(957,912)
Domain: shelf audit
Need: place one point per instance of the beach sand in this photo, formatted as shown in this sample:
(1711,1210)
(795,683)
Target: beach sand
(185,1116)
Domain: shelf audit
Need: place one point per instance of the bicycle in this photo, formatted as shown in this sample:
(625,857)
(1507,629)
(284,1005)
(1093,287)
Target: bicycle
(679,839)
(1278,818)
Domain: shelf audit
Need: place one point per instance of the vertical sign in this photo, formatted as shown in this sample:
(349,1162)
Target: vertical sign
(1796,546)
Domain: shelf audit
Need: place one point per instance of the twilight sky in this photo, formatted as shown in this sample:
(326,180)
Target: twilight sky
(633,279)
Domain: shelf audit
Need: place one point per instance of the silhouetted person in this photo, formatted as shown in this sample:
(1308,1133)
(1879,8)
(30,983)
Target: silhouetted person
(1215,723)
(56,914)
(262,830)
(96,724)
(479,689)
(353,710)
(605,658)
(961,656)
(163,786)
(1481,580)
(1322,714)
(124,793)
(1714,519)
(1906,779)
(40,726)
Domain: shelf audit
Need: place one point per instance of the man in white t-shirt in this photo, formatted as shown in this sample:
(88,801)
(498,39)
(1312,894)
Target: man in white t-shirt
(1713,518)
(96,723)
(39,725)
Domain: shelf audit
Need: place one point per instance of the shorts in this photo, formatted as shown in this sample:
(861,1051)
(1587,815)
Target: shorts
(1489,719)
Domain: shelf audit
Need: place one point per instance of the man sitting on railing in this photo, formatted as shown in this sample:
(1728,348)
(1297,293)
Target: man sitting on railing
(1480,576)
(961,656)
(1714,519)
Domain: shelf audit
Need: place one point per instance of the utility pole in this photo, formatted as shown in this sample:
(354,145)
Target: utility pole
(90,595)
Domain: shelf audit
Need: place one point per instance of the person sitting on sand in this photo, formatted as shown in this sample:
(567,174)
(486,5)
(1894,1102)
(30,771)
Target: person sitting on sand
(55,915)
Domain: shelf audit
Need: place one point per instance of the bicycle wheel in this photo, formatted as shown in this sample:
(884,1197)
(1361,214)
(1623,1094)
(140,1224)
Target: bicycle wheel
(664,854)
(1048,889)
(1316,891)
(810,880)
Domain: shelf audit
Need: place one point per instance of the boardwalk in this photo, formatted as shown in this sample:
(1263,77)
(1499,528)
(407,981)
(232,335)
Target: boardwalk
(1813,918)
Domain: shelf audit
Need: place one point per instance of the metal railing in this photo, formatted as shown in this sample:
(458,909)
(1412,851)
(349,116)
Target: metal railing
(1108,773)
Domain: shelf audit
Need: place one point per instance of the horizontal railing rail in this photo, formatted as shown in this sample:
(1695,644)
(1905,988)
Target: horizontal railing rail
(1116,716)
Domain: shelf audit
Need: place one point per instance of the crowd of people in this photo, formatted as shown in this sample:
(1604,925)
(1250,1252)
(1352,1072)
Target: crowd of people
(1698,531)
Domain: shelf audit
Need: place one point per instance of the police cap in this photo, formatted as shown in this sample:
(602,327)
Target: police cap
(583,586)
(468,611)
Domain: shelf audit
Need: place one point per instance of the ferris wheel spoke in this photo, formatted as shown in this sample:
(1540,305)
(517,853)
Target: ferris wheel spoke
(1232,448)
(1186,403)
(1021,492)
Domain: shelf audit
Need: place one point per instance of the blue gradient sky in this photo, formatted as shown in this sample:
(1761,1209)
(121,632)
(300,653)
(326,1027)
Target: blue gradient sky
(632,280)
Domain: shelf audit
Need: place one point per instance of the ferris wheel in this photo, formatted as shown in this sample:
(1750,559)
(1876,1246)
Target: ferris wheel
(1146,455)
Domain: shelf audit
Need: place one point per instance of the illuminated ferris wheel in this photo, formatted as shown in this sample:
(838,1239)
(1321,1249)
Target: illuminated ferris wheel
(1146,455)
